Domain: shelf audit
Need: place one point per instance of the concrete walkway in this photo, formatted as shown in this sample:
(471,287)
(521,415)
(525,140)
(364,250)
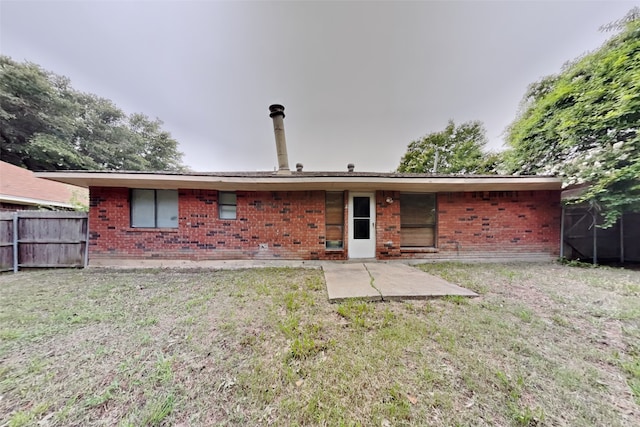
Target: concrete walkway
(369,280)
(376,281)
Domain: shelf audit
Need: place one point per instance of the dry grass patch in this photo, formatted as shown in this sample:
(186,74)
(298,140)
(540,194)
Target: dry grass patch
(544,344)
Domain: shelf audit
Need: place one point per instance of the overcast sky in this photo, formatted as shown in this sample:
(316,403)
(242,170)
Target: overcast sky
(359,80)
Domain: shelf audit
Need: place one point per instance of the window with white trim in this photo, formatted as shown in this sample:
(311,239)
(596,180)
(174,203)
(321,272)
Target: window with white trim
(154,208)
(227,205)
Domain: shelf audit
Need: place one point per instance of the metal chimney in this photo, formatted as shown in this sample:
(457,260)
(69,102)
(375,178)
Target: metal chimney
(277,114)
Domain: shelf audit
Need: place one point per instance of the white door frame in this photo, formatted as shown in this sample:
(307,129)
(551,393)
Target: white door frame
(363,248)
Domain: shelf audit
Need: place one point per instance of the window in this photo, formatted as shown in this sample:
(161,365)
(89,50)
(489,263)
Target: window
(154,208)
(334,219)
(417,219)
(227,205)
(361,218)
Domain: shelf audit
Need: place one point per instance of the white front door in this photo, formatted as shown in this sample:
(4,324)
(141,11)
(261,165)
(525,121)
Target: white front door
(362,225)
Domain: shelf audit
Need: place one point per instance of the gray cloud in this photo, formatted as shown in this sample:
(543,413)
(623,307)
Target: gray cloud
(359,80)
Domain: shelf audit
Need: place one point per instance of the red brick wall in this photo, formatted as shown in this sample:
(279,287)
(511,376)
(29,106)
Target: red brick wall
(291,224)
(507,222)
(517,224)
(387,224)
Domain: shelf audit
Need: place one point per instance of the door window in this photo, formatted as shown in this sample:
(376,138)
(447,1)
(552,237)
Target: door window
(361,218)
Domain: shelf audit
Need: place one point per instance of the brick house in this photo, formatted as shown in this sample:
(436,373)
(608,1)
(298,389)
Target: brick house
(21,190)
(318,215)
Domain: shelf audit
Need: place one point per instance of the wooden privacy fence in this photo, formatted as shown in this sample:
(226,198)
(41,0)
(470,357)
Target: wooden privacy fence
(43,240)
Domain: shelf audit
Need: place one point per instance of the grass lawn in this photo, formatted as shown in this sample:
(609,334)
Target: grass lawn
(544,344)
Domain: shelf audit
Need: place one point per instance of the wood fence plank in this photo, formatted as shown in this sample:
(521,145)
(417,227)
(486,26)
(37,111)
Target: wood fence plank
(43,239)
(6,244)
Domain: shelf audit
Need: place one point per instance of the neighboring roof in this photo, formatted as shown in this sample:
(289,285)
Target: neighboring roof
(575,191)
(20,187)
(273,181)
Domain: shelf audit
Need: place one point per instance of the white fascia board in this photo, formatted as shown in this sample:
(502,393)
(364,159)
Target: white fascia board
(304,183)
(32,202)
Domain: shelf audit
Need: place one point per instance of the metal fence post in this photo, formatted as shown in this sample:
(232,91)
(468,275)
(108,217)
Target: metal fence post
(86,243)
(622,238)
(562,234)
(15,242)
(595,240)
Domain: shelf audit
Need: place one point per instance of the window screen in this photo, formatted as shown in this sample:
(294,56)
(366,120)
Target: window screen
(417,219)
(154,208)
(334,220)
(167,208)
(361,228)
(361,217)
(227,202)
(361,207)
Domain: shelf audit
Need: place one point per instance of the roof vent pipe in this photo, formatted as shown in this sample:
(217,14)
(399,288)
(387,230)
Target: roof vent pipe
(277,114)
(350,167)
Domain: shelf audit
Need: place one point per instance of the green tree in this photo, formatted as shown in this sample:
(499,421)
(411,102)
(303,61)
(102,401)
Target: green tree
(156,146)
(583,123)
(100,130)
(455,150)
(35,120)
(45,124)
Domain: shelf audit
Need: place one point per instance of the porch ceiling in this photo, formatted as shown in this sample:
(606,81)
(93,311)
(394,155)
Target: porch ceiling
(305,182)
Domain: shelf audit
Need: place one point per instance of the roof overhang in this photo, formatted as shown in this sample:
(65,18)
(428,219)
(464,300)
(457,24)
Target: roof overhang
(17,200)
(368,182)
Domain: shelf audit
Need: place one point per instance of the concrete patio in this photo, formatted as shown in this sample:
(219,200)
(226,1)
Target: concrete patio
(370,280)
(377,281)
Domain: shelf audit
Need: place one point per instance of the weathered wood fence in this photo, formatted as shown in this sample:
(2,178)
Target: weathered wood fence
(43,240)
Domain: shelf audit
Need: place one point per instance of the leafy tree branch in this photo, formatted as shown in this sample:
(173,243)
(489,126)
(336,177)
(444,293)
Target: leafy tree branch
(583,124)
(45,124)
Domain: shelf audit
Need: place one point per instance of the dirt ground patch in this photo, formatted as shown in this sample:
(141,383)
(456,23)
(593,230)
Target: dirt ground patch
(544,344)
